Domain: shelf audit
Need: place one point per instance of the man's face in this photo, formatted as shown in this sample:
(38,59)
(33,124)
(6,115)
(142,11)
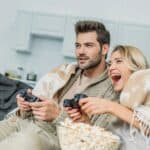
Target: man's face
(88,51)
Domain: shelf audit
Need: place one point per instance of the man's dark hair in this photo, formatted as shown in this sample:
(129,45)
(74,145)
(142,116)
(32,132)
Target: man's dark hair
(103,35)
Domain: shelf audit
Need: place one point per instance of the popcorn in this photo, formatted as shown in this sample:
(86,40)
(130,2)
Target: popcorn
(80,136)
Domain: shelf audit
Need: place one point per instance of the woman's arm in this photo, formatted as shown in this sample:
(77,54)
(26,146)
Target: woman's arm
(93,105)
(124,114)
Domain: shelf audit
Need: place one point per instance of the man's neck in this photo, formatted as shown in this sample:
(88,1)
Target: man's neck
(96,71)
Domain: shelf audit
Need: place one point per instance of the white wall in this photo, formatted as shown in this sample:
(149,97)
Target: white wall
(132,11)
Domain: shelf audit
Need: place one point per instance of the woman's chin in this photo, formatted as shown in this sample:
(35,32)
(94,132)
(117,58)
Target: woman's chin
(117,88)
(118,85)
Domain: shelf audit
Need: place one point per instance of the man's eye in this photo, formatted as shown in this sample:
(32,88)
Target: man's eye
(77,46)
(89,45)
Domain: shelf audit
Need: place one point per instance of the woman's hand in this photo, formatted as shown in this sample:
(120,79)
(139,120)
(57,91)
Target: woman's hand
(76,115)
(94,105)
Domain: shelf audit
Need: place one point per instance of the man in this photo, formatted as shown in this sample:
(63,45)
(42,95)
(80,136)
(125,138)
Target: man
(89,76)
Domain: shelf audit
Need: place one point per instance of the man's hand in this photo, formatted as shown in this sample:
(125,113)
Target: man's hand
(45,109)
(22,104)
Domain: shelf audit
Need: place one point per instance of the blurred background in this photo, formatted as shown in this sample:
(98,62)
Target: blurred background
(37,35)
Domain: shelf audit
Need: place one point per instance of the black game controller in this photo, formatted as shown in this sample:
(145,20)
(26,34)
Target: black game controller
(74,102)
(28,97)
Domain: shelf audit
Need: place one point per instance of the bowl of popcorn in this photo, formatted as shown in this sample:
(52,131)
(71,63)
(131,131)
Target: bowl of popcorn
(80,136)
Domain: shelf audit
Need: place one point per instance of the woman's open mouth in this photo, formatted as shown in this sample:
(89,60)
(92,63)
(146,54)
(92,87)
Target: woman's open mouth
(115,78)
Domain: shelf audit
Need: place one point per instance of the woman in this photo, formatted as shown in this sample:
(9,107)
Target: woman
(124,61)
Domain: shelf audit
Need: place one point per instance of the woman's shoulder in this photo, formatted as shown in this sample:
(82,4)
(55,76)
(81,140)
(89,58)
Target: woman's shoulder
(136,89)
(139,74)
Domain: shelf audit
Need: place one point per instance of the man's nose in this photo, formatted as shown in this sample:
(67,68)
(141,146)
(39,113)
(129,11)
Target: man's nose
(82,50)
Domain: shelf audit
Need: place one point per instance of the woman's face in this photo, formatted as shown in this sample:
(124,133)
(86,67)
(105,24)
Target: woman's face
(119,71)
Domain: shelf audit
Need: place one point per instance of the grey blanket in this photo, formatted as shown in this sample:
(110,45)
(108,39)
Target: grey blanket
(8,90)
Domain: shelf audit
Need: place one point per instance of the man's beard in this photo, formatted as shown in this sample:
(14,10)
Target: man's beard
(92,63)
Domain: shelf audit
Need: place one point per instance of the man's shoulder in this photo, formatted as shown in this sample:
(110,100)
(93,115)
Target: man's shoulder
(102,88)
(65,68)
(60,73)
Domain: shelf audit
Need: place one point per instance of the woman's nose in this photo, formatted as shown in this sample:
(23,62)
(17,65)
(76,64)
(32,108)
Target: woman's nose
(112,66)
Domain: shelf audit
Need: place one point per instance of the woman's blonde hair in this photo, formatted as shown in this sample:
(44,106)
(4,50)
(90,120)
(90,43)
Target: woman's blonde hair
(134,57)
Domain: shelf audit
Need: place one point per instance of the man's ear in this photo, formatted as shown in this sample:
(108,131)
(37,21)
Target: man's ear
(105,49)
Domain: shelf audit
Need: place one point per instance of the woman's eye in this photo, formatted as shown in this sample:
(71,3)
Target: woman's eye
(119,61)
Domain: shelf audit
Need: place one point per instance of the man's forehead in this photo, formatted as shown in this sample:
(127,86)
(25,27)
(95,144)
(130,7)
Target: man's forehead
(91,33)
(86,37)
